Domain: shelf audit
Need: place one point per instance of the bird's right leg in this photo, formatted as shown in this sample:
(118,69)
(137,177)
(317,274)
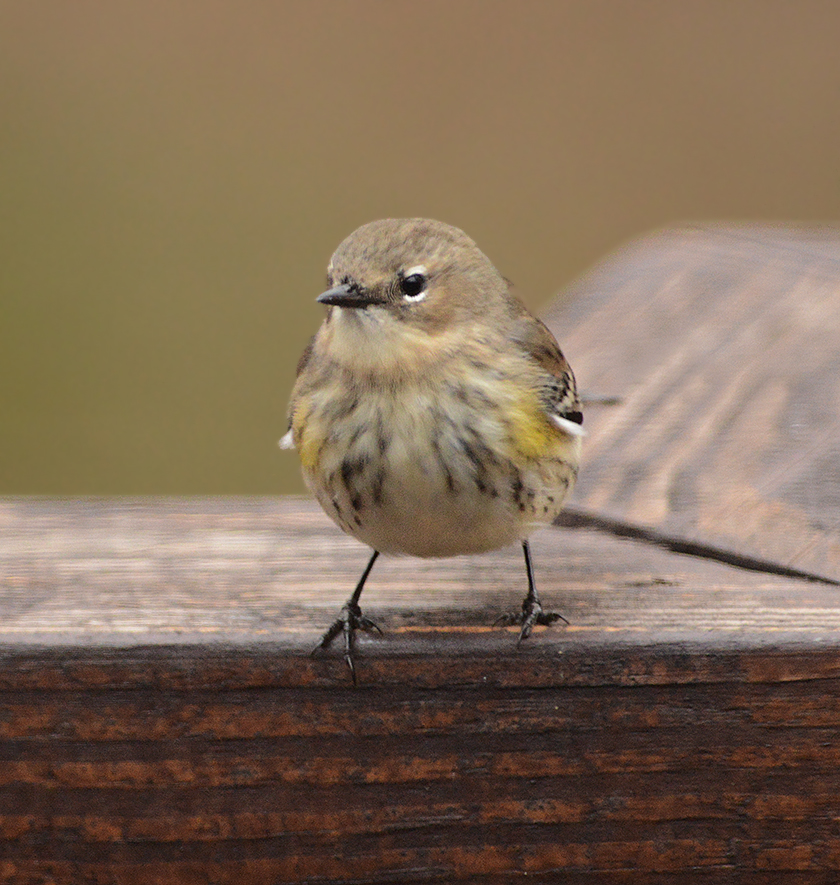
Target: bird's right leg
(350,619)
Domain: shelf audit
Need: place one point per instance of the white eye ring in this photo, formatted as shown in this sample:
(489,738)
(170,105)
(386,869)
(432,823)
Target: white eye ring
(417,271)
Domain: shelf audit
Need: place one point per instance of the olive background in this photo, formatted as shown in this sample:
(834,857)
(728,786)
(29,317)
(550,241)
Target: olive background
(175,175)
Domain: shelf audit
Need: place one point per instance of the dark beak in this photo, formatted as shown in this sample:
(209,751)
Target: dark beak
(347,295)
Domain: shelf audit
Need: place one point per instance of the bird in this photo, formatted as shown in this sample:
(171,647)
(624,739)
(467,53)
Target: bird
(433,414)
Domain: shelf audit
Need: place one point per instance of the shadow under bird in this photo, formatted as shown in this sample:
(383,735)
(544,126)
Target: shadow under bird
(433,414)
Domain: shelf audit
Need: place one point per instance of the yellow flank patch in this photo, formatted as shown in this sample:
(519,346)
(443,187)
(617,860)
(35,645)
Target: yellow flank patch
(533,434)
(308,436)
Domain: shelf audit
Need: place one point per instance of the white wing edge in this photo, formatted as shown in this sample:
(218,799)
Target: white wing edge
(288,441)
(568,426)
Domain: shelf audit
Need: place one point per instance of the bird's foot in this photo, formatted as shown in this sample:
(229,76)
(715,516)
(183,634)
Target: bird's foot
(349,620)
(532,613)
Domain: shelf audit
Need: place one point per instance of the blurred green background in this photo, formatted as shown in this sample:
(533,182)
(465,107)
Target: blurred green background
(175,175)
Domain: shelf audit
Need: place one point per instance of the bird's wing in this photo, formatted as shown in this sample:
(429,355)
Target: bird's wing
(288,440)
(559,391)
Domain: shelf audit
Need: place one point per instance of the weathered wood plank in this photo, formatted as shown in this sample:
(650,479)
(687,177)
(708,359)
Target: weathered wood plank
(123,573)
(722,344)
(162,720)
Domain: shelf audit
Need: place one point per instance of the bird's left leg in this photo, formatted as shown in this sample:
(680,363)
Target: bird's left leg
(532,611)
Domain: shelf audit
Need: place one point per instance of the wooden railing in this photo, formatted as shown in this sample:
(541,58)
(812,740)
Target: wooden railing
(162,718)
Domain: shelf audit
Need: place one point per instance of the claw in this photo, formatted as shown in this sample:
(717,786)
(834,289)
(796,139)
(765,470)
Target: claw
(532,612)
(349,620)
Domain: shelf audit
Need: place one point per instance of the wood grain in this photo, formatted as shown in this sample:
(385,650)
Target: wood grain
(162,719)
(723,346)
(122,572)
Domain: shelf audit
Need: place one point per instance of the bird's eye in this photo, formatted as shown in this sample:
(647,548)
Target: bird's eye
(413,285)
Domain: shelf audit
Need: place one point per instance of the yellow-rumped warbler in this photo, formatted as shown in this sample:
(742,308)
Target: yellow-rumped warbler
(433,414)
